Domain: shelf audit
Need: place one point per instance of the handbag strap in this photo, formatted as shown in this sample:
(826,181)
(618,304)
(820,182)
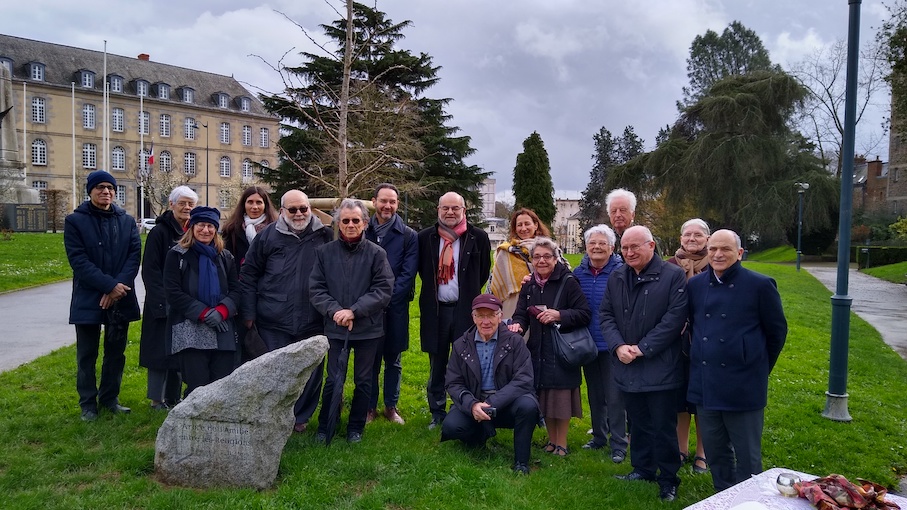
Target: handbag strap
(557,297)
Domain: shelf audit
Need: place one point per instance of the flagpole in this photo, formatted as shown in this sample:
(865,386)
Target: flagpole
(74,196)
(142,157)
(105,140)
(24,132)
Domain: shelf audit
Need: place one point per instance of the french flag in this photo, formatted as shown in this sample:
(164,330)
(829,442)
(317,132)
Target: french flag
(151,155)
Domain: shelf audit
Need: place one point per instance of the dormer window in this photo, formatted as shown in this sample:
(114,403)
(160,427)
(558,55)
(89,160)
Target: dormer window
(187,94)
(222,100)
(8,64)
(163,90)
(115,82)
(141,88)
(86,78)
(245,104)
(36,71)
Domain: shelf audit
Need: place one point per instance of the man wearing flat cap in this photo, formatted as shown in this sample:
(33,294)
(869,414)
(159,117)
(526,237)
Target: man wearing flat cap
(103,247)
(489,379)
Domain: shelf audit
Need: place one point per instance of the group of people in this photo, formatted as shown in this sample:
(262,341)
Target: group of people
(694,335)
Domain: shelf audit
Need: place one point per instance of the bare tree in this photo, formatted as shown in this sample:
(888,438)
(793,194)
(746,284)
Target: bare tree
(158,185)
(823,74)
(57,202)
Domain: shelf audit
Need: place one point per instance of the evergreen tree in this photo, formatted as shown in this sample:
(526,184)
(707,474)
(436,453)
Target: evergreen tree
(532,186)
(609,152)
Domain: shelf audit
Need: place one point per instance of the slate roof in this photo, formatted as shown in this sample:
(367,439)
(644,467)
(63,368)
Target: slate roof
(62,63)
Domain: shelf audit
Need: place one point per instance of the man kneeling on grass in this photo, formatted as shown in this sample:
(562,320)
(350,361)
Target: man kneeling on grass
(489,379)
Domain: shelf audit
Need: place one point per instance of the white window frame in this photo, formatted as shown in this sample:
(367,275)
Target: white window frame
(37,71)
(116,84)
(190,126)
(223,100)
(245,104)
(39,152)
(144,123)
(87,79)
(89,115)
(118,120)
(188,95)
(265,163)
(224,198)
(264,137)
(39,110)
(41,186)
(226,167)
(225,132)
(165,162)
(141,88)
(189,163)
(118,159)
(163,91)
(164,125)
(121,195)
(247,136)
(89,155)
(248,172)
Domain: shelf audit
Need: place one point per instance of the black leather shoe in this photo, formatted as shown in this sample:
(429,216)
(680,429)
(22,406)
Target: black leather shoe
(89,415)
(618,456)
(354,437)
(321,438)
(118,409)
(435,422)
(634,476)
(668,492)
(521,468)
(592,445)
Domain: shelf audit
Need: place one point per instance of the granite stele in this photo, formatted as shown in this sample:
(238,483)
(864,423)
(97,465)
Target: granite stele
(232,432)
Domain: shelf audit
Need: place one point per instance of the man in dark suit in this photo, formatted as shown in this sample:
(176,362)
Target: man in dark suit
(454,263)
(738,331)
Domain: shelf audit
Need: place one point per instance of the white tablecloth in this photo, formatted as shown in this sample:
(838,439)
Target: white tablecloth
(761,490)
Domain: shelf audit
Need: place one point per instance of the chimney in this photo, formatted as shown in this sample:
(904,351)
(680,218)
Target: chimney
(144,56)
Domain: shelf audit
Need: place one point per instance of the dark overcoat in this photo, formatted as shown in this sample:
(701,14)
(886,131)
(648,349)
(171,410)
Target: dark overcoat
(472,273)
(104,249)
(575,313)
(153,349)
(648,310)
(402,251)
(738,331)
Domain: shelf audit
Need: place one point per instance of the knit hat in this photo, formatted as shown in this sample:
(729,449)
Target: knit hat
(97,177)
(205,214)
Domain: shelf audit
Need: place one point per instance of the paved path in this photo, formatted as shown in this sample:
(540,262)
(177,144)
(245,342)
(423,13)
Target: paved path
(36,322)
(880,303)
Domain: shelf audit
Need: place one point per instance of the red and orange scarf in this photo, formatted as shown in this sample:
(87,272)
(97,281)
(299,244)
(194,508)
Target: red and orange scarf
(446,260)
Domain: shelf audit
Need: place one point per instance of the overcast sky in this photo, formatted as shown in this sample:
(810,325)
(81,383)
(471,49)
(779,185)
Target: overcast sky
(564,68)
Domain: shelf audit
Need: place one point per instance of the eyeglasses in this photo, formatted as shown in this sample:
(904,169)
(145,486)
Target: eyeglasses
(102,187)
(184,203)
(632,247)
(546,257)
(205,226)
(452,208)
(598,243)
(292,210)
(484,316)
(347,221)
(694,235)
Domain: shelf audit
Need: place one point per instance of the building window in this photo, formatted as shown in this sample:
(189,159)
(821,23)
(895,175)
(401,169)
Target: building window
(165,125)
(141,88)
(118,120)
(89,155)
(88,116)
(37,71)
(224,132)
(188,95)
(247,135)
(225,201)
(225,166)
(38,110)
(41,186)
(8,64)
(264,138)
(144,123)
(118,159)
(223,100)
(189,163)
(245,104)
(121,195)
(116,83)
(163,91)
(88,79)
(39,152)
(165,161)
(265,163)
(190,127)
(247,173)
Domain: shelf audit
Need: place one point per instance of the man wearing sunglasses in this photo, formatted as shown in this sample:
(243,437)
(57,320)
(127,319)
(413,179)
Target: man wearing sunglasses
(275,283)
(454,262)
(104,249)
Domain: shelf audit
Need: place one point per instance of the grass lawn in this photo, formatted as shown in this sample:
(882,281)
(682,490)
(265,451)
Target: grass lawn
(44,260)
(53,460)
(776,254)
(895,273)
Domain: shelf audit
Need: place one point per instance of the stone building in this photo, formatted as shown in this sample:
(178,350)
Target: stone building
(203,129)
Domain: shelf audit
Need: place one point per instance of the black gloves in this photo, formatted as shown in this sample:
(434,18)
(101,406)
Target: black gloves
(213,319)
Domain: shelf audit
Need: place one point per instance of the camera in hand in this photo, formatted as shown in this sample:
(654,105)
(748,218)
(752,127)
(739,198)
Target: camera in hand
(491,411)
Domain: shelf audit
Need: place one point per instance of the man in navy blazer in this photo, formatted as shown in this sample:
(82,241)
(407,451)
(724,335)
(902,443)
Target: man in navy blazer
(738,331)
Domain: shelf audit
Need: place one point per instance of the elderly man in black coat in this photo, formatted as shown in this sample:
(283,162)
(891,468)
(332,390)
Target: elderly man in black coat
(642,314)
(738,331)
(104,249)
(489,379)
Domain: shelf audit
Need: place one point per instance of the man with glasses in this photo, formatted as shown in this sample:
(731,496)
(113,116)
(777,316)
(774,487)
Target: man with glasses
(104,249)
(454,262)
(642,314)
(275,283)
(490,381)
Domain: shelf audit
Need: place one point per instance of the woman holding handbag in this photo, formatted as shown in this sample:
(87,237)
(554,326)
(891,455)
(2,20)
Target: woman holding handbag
(538,313)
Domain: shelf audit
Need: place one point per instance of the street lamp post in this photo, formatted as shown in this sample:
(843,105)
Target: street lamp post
(801,190)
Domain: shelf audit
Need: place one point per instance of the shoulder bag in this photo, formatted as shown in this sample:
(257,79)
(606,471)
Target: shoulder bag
(575,348)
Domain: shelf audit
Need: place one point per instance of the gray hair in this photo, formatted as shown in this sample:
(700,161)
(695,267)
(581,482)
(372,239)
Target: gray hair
(621,193)
(352,203)
(284,196)
(180,192)
(544,242)
(602,229)
(698,223)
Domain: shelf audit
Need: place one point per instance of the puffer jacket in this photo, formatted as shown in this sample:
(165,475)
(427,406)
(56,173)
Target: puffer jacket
(593,286)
